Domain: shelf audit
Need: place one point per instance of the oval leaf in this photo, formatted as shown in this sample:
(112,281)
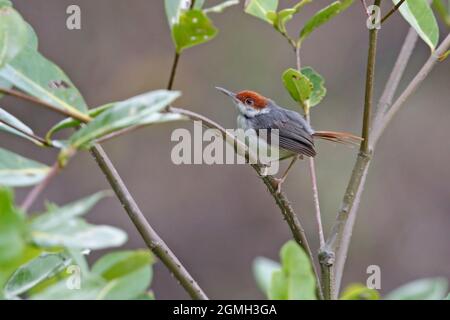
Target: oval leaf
(420,16)
(138,110)
(423,289)
(34,272)
(193,28)
(17,171)
(318,89)
(298,86)
(263,269)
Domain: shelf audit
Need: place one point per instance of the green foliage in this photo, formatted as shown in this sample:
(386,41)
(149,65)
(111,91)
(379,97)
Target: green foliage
(263,270)
(18,171)
(12,229)
(419,15)
(6,117)
(323,16)
(359,291)
(262,9)
(423,289)
(34,272)
(298,86)
(63,227)
(13,34)
(73,123)
(442,10)
(193,28)
(318,88)
(296,280)
(139,110)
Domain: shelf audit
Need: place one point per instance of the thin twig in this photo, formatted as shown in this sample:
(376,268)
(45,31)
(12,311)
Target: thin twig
(151,238)
(280,198)
(30,135)
(392,11)
(411,88)
(366,9)
(38,189)
(173,71)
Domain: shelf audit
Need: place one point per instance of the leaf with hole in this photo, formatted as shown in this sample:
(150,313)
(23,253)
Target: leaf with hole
(35,75)
(193,28)
(419,15)
(18,171)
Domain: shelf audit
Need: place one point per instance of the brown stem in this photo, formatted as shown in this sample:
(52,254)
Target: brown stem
(151,238)
(392,11)
(173,71)
(38,189)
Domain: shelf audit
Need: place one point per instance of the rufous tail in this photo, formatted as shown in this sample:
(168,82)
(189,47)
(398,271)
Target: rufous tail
(339,137)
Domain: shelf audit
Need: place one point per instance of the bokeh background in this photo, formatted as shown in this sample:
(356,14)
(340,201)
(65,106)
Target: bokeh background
(217,219)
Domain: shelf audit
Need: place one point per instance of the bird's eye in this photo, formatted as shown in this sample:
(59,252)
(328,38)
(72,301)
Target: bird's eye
(249,102)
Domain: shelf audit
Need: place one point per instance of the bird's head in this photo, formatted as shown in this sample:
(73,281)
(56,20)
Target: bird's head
(248,103)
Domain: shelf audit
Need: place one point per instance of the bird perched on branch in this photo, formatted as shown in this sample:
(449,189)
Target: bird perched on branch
(296,136)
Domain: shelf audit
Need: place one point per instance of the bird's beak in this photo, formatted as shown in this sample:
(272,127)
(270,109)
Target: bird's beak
(228,93)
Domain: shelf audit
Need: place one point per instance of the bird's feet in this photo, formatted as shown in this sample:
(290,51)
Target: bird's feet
(276,184)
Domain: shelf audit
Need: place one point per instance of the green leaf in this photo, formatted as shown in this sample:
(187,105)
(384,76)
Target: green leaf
(221,6)
(298,85)
(129,273)
(193,28)
(318,89)
(57,216)
(139,110)
(423,289)
(358,291)
(285,15)
(263,270)
(5,3)
(117,264)
(38,77)
(34,272)
(174,9)
(323,16)
(79,234)
(260,8)
(443,12)
(420,16)
(73,123)
(13,34)
(12,229)
(296,280)
(17,171)
(8,118)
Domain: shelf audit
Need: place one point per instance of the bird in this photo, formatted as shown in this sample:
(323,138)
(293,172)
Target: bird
(296,136)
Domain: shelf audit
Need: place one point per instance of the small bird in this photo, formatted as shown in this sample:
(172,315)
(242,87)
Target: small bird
(296,136)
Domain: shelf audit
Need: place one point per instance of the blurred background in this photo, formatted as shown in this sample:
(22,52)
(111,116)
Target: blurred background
(217,219)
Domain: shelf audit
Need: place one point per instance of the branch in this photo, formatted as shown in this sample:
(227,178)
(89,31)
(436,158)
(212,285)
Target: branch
(280,198)
(173,71)
(392,11)
(149,235)
(151,238)
(38,189)
(411,88)
(331,250)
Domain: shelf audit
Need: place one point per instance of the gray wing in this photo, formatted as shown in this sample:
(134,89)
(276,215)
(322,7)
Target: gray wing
(294,132)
